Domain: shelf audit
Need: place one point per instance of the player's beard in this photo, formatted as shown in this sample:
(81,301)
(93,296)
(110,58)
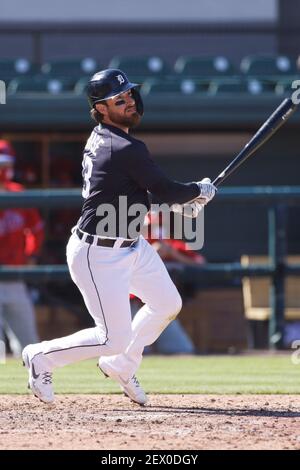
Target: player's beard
(131,121)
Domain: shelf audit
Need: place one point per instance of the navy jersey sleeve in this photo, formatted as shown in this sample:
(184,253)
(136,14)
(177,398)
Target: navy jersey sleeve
(148,175)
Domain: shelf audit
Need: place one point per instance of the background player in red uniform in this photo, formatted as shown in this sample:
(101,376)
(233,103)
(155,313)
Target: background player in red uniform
(21,236)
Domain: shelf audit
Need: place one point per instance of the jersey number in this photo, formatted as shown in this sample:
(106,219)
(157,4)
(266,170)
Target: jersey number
(87,166)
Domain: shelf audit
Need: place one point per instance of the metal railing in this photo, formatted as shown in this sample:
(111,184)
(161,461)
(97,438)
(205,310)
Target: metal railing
(274,199)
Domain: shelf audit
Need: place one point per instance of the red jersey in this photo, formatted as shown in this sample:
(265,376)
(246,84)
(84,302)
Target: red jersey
(180,246)
(21,232)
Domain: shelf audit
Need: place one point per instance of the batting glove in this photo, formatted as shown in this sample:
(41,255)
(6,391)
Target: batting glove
(207,191)
(190,209)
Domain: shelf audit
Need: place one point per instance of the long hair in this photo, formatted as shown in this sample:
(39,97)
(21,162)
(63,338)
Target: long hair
(98,117)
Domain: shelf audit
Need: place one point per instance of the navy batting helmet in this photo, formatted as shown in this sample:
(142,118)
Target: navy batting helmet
(109,83)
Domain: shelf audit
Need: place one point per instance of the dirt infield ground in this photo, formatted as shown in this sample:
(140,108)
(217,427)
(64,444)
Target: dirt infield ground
(168,422)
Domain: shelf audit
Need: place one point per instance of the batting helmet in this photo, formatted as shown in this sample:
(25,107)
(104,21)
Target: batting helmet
(109,83)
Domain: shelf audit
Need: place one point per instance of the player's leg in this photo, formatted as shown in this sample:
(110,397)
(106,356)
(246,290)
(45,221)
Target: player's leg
(102,275)
(152,284)
(19,313)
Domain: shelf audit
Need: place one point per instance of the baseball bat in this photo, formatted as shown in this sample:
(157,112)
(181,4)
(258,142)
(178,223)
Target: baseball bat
(269,127)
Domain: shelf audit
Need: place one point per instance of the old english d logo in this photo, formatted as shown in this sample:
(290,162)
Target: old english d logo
(121,79)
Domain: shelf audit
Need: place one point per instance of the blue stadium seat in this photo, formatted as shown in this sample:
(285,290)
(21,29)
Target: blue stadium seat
(76,68)
(141,68)
(179,86)
(256,86)
(40,84)
(200,67)
(229,86)
(11,68)
(251,86)
(267,65)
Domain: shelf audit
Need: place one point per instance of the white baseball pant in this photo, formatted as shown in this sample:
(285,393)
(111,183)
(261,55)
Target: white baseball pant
(105,277)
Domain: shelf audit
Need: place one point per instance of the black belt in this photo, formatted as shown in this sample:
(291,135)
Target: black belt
(108,242)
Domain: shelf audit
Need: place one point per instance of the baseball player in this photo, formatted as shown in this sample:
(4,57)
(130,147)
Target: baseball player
(21,237)
(108,264)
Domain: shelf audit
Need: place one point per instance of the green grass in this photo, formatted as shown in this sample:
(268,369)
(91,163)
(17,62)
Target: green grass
(161,374)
